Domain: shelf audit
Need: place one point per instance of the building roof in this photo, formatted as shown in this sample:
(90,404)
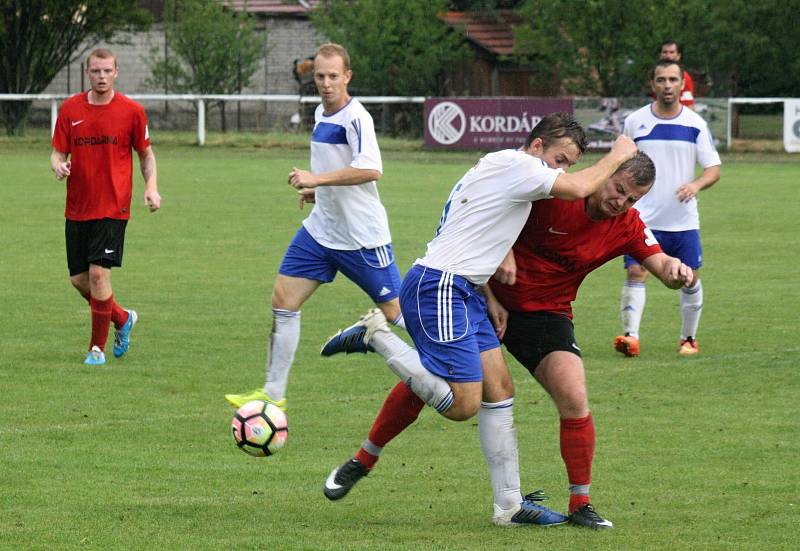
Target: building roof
(492,33)
(273,7)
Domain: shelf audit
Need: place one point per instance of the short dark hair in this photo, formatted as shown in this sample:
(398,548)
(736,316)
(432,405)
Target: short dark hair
(641,168)
(668,42)
(556,126)
(665,63)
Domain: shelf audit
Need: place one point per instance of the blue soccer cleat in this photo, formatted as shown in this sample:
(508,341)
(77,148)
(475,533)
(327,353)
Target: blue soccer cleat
(95,357)
(356,337)
(528,513)
(122,336)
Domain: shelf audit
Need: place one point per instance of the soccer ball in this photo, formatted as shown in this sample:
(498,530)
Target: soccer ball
(260,428)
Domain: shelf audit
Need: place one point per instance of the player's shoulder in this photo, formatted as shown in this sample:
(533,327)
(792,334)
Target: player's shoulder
(127,102)
(356,110)
(76,100)
(691,117)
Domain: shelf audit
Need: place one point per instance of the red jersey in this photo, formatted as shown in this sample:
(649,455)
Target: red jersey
(99,140)
(559,246)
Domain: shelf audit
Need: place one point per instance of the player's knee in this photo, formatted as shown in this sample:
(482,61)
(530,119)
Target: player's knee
(636,273)
(464,408)
(98,274)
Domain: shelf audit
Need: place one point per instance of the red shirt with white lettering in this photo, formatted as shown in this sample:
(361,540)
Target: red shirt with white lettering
(559,246)
(99,140)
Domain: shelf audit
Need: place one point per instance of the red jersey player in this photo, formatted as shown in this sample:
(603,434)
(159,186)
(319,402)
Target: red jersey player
(96,131)
(531,302)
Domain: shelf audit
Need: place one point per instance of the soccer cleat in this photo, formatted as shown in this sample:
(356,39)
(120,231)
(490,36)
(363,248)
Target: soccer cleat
(688,347)
(122,336)
(238,400)
(528,513)
(587,516)
(95,357)
(356,337)
(627,345)
(343,478)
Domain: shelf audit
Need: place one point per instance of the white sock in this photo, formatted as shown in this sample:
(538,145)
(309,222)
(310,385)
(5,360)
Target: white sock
(632,306)
(399,322)
(282,345)
(691,308)
(405,362)
(499,445)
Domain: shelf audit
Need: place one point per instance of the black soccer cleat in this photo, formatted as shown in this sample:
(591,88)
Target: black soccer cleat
(343,478)
(587,516)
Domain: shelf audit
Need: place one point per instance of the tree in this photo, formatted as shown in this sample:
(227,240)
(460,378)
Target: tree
(216,51)
(397,47)
(39,37)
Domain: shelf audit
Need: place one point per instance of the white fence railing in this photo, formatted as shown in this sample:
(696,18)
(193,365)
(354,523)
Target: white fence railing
(201,100)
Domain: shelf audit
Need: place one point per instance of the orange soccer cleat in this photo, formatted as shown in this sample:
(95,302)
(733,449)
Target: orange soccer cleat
(627,345)
(688,347)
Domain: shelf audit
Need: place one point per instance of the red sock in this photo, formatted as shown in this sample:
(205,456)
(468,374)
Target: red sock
(118,314)
(577,451)
(101,320)
(400,409)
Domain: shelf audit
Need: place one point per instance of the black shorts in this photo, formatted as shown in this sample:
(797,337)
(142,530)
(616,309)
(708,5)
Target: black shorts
(530,336)
(94,242)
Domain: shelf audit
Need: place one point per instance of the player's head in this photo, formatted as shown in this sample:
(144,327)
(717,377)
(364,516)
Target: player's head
(627,185)
(559,140)
(332,74)
(670,51)
(101,68)
(667,80)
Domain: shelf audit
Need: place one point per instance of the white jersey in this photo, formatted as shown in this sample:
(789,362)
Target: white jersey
(485,213)
(346,217)
(675,145)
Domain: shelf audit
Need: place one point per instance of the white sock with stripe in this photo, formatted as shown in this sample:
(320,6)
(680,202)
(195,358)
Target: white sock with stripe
(405,362)
(632,306)
(499,445)
(691,309)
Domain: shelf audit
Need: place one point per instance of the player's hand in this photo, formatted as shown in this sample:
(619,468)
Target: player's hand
(152,200)
(679,274)
(507,270)
(499,316)
(687,192)
(302,179)
(63,170)
(306,196)
(624,147)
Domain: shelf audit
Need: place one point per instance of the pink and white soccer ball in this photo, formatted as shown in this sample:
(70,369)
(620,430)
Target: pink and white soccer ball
(260,428)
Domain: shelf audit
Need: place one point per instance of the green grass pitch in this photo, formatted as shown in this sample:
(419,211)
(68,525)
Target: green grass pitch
(692,453)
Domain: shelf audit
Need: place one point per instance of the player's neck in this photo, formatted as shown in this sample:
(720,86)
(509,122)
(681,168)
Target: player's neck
(330,109)
(667,111)
(100,99)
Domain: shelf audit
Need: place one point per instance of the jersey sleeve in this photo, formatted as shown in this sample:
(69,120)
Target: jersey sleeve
(61,134)
(364,143)
(531,180)
(642,242)
(707,154)
(141,135)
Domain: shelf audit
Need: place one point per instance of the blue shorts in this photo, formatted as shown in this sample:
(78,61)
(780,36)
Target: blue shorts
(447,319)
(374,270)
(683,245)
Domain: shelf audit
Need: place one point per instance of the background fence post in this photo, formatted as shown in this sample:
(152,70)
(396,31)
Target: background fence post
(201,122)
(53,116)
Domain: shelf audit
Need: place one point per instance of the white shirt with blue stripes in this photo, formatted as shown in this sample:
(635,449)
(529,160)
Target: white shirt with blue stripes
(347,217)
(676,146)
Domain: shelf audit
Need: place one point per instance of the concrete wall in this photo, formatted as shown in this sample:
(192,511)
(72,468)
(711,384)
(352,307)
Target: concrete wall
(285,39)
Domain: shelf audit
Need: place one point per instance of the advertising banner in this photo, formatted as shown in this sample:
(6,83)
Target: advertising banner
(791,125)
(488,124)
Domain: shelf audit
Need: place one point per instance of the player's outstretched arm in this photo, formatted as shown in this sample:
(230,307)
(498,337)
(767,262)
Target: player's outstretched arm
(348,176)
(60,165)
(147,164)
(581,184)
(671,271)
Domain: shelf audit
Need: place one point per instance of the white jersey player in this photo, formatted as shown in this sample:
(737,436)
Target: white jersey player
(677,139)
(347,230)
